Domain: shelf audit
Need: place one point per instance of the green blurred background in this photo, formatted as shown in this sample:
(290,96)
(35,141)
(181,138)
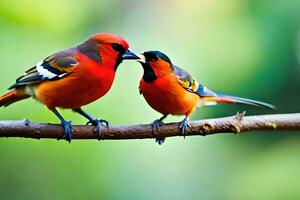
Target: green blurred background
(249,48)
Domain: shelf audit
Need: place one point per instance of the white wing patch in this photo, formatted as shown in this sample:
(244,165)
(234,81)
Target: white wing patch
(44,72)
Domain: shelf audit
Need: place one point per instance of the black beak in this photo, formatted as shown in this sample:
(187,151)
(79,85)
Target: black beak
(129,55)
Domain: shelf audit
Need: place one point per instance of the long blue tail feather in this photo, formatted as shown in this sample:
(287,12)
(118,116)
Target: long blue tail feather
(247,101)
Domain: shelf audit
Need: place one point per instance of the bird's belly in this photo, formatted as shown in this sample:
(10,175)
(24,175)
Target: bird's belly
(172,100)
(73,91)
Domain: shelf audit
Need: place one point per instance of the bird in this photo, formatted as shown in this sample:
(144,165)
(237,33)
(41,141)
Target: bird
(170,89)
(72,78)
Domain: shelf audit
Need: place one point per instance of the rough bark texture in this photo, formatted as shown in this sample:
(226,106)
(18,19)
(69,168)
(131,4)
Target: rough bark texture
(234,124)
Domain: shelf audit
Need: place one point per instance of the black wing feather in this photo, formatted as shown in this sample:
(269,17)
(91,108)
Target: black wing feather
(52,68)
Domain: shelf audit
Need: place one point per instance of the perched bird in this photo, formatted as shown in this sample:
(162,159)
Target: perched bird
(169,89)
(73,78)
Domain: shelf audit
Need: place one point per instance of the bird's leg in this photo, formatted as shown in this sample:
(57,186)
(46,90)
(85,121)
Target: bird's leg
(184,126)
(155,128)
(68,132)
(94,121)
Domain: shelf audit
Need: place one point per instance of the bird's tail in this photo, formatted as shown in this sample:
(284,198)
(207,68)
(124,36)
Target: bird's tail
(222,98)
(12,96)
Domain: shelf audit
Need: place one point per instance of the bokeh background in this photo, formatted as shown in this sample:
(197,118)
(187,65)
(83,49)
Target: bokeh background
(249,48)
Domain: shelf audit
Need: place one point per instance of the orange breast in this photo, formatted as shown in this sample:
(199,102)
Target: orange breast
(167,96)
(87,83)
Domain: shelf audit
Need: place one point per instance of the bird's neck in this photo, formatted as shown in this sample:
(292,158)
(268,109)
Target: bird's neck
(149,74)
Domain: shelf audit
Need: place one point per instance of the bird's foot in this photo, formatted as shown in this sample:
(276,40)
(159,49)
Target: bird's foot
(68,131)
(184,126)
(155,125)
(155,128)
(160,140)
(99,123)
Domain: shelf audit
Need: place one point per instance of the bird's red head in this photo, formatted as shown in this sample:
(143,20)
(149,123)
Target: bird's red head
(108,49)
(155,63)
(107,38)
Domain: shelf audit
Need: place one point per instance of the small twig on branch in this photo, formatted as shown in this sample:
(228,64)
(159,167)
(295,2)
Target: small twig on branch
(234,124)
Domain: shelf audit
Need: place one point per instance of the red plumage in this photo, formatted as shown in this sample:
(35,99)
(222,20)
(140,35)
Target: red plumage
(169,89)
(73,77)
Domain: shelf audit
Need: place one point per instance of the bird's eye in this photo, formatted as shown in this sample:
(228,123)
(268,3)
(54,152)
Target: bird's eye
(118,48)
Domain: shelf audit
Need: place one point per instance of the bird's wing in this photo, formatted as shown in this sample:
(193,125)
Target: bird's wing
(52,68)
(191,84)
(209,97)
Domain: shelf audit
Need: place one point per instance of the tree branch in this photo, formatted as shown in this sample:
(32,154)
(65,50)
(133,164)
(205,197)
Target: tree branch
(234,124)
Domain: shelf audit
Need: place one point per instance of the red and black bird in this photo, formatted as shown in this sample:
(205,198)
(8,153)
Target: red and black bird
(73,78)
(169,89)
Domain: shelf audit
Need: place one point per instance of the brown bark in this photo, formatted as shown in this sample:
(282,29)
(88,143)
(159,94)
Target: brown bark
(235,124)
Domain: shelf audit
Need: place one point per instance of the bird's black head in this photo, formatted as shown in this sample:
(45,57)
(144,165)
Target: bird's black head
(152,56)
(155,64)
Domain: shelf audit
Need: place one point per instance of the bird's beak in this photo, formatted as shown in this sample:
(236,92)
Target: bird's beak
(141,59)
(129,55)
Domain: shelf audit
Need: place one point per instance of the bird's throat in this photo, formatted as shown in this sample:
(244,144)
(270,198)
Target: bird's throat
(149,74)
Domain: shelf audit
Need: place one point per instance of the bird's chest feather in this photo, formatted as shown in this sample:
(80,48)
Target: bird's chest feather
(80,87)
(167,96)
